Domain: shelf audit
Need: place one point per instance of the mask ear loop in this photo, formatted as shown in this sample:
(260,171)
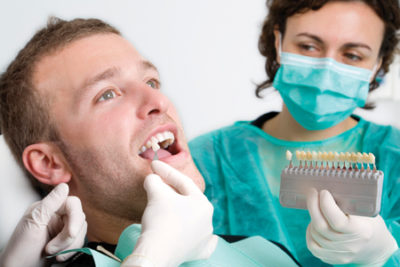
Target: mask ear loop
(280,45)
(374,69)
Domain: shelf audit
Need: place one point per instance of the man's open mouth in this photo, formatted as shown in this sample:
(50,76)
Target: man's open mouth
(164,143)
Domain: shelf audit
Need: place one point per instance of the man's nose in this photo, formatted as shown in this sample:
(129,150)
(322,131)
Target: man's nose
(153,102)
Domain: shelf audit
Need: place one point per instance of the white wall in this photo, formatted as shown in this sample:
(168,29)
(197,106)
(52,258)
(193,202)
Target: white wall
(205,50)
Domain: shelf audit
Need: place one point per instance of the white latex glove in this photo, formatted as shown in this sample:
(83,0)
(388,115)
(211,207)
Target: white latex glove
(176,225)
(54,224)
(338,238)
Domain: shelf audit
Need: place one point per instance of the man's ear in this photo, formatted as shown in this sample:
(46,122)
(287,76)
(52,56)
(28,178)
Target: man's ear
(46,163)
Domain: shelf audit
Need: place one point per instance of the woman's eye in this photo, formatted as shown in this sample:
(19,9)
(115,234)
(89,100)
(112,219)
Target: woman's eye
(153,84)
(109,94)
(307,47)
(353,57)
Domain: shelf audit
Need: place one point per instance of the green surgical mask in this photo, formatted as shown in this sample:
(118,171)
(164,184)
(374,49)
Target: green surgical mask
(320,92)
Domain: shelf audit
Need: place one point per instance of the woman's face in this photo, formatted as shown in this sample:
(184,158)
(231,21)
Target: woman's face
(349,32)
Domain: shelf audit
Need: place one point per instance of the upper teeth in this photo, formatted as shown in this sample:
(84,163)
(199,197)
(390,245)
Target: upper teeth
(164,139)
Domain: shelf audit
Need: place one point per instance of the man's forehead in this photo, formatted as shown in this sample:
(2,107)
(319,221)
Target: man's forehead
(89,59)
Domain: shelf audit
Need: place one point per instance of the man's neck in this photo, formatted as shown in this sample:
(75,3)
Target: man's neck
(104,227)
(284,126)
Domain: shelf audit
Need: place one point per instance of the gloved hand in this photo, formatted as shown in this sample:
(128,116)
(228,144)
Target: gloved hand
(176,225)
(55,223)
(337,238)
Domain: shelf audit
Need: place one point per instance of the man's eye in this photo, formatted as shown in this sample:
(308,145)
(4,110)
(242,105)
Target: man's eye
(109,94)
(153,84)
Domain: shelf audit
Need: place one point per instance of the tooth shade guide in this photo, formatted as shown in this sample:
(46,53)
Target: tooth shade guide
(332,160)
(289,156)
(155,147)
(356,192)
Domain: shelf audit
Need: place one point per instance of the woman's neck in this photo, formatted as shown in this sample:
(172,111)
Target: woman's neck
(284,126)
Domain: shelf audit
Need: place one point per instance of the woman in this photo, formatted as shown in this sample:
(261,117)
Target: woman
(242,163)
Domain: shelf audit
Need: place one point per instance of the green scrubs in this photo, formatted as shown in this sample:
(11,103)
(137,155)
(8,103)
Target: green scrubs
(241,165)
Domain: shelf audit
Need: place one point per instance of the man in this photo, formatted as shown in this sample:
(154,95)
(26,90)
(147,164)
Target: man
(80,105)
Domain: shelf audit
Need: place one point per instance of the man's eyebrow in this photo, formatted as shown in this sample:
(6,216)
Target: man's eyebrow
(104,75)
(148,65)
(112,72)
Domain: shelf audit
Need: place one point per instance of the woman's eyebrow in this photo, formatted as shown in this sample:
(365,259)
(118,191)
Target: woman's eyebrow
(356,45)
(312,36)
(347,45)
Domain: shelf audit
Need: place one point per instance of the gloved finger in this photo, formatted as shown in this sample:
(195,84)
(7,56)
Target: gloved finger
(50,204)
(328,255)
(73,219)
(333,214)
(330,240)
(317,238)
(73,214)
(183,184)
(312,244)
(333,257)
(155,187)
(77,243)
(317,218)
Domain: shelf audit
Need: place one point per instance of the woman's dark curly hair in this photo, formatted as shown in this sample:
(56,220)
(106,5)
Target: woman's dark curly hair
(280,10)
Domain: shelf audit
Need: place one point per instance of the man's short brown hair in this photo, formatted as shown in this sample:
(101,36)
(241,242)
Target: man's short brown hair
(24,113)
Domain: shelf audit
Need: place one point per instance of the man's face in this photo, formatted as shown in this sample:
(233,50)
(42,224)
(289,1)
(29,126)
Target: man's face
(106,103)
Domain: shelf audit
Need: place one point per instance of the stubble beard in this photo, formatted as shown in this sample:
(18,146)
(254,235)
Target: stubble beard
(112,187)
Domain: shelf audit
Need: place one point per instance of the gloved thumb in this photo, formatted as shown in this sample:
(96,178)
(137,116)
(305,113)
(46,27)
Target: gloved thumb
(183,184)
(155,187)
(336,218)
(50,204)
